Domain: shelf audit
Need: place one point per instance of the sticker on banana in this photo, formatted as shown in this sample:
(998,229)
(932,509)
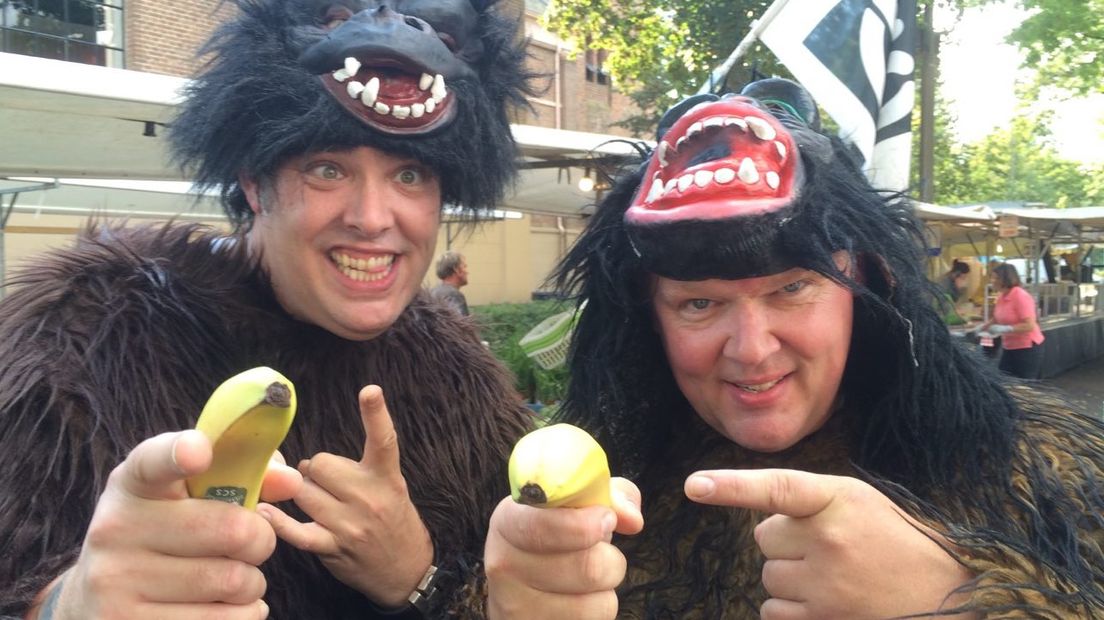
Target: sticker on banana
(559,466)
(246,418)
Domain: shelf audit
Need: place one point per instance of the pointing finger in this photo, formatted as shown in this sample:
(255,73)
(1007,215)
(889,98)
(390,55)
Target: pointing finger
(381,443)
(778,491)
(157,467)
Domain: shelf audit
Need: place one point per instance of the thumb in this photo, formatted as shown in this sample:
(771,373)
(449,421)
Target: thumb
(157,467)
(381,443)
(626,504)
(777,491)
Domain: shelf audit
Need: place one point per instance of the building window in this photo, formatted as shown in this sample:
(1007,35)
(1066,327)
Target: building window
(85,31)
(595,66)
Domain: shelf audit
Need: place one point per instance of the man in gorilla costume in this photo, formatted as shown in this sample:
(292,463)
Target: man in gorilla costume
(335,130)
(752,303)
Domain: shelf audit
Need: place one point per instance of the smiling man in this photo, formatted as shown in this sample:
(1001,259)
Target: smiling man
(760,354)
(335,132)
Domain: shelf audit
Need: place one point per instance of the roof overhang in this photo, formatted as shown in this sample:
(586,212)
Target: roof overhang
(66,120)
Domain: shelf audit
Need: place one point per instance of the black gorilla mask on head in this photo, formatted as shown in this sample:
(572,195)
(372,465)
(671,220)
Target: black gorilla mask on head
(427,79)
(724,183)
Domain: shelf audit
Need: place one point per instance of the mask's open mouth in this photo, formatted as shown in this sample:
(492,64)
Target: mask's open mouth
(391,96)
(721,159)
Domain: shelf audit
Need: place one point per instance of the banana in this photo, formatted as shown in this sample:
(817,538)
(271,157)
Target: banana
(246,418)
(559,466)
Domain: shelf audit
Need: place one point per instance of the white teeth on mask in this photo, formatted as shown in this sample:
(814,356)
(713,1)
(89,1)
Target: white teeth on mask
(417,110)
(354,88)
(713,121)
(724,176)
(747,172)
(430,105)
(781,149)
(382,108)
(702,178)
(678,143)
(656,192)
(437,90)
(761,128)
(341,75)
(371,92)
(400,111)
(661,153)
(772,179)
(732,121)
(670,185)
(352,65)
(685,181)
(694,130)
(425,81)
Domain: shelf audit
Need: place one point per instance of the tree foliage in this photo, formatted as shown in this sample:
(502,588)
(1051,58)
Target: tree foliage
(1064,41)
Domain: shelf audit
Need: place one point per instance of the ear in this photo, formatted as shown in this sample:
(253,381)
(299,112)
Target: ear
(250,189)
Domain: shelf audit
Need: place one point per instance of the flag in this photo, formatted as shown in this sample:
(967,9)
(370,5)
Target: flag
(856,59)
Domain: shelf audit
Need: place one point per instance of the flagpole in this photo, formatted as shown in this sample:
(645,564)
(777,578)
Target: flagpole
(757,27)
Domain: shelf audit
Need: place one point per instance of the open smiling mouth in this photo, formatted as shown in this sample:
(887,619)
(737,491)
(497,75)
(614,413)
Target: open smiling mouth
(761,387)
(390,96)
(369,269)
(721,159)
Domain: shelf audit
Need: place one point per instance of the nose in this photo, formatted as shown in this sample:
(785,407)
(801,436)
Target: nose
(368,212)
(752,337)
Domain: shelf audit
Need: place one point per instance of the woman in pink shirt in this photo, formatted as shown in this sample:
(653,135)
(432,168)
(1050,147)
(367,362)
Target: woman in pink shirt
(1015,319)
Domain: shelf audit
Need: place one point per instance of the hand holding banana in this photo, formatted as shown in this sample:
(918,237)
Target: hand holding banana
(151,552)
(548,554)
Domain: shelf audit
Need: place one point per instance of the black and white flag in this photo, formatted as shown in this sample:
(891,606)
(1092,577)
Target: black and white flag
(856,58)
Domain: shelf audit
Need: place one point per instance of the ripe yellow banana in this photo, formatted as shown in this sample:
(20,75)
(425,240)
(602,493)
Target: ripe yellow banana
(246,418)
(559,465)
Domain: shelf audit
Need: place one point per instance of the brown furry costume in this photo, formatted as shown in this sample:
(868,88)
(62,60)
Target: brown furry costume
(125,335)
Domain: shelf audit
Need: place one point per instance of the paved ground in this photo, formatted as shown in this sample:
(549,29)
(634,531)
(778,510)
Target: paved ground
(1084,384)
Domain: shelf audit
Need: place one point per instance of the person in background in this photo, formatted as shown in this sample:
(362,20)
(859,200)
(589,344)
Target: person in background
(954,281)
(452,270)
(336,133)
(760,353)
(1015,320)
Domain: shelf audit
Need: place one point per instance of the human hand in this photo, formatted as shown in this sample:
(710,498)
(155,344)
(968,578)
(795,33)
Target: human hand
(835,546)
(366,530)
(558,562)
(997,329)
(153,552)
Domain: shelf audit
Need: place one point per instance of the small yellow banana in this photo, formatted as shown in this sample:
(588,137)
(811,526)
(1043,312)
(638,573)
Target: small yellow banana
(559,465)
(246,418)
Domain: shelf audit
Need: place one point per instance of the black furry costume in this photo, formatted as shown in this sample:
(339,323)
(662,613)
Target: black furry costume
(1012,476)
(125,335)
(85,330)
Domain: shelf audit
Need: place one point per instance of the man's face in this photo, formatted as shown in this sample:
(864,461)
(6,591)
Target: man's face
(462,273)
(346,237)
(759,359)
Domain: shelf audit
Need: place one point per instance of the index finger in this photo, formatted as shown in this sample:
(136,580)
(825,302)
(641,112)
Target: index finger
(157,467)
(381,443)
(778,491)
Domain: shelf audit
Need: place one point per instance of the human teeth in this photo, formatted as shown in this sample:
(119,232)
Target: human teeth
(382,108)
(694,130)
(762,387)
(371,93)
(685,181)
(703,178)
(747,172)
(400,111)
(425,82)
(430,105)
(417,110)
(772,179)
(656,191)
(352,65)
(724,176)
(761,128)
(662,153)
(781,149)
(354,88)
(438,89)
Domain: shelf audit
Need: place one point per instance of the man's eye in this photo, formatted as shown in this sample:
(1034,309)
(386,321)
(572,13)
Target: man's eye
(328,172)
(794,287)
(699,304)
(410,176)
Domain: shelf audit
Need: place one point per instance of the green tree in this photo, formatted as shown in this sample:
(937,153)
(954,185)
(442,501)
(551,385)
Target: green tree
(1064,41)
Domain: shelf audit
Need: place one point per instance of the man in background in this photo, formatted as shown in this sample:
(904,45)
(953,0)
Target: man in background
(452,270)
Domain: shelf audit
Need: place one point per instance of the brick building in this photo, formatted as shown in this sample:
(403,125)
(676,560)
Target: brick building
(161,37)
